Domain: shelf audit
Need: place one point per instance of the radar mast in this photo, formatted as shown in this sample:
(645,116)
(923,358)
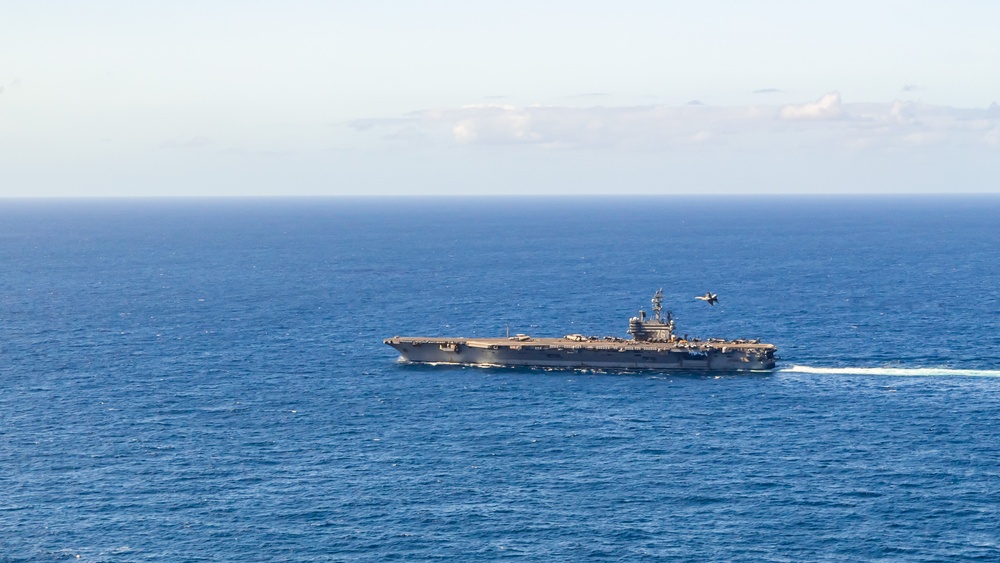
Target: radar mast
(657,303)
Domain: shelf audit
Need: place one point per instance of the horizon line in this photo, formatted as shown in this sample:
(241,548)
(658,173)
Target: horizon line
(707,195)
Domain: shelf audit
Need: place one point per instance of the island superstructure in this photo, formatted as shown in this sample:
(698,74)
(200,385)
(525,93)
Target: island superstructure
(653,345)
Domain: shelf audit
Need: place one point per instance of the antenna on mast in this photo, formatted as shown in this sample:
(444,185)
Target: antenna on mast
(657,303)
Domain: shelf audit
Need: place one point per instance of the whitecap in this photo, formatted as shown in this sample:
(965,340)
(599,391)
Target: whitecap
(893,371)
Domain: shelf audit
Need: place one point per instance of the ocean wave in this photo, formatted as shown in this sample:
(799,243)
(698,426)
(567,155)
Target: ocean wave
(893,371)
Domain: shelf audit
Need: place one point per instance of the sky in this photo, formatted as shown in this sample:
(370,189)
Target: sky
(439,97)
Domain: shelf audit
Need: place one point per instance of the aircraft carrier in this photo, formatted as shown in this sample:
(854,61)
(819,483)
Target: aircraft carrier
(653,346)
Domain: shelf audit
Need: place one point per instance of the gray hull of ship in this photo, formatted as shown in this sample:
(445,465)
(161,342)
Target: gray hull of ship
(618,356)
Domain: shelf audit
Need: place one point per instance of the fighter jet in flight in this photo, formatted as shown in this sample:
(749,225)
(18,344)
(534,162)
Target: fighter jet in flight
(709,298)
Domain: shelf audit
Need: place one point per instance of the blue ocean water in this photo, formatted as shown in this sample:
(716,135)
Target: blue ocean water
(204,380)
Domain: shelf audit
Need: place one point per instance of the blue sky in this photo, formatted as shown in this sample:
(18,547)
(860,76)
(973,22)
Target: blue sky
(472,98)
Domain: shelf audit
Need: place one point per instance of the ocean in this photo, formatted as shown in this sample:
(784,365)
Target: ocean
(205,380)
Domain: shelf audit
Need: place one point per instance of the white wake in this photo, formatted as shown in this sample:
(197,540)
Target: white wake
(899,372)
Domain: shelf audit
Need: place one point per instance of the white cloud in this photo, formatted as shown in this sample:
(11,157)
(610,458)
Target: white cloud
(826,122)
(495,124)
(900,112)
(992,138)
(827,107)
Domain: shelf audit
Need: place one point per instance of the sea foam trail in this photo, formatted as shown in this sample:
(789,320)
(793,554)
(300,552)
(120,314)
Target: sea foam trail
(903,372)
